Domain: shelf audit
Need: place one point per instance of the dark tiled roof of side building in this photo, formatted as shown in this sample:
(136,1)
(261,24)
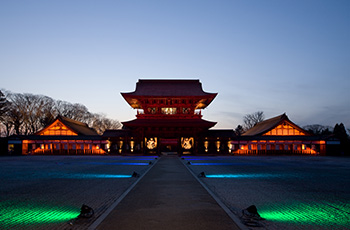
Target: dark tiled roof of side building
(77,126)
(267,125)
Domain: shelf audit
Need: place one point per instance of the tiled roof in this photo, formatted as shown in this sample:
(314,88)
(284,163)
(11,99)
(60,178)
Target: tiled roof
(167,88)
(267,125)
(77,126)
(169,123)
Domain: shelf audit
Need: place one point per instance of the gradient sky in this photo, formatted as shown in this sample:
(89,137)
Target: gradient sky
(280,56)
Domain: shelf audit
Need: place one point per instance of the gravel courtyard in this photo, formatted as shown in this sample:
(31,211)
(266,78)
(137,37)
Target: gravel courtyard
(290,192)
(46,192)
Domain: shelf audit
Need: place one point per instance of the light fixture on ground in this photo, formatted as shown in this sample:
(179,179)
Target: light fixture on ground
(86,211)
(202,174)
(135,174)
(251,217)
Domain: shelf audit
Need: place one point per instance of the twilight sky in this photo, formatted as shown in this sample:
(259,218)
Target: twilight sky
(274,56)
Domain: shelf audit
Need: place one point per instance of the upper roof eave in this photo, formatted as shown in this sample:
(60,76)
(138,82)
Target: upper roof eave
(169,122)
(77,127)
(168,88)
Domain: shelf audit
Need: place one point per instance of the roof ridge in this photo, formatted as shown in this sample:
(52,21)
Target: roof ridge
(261,126)
(274,118)
(73,121)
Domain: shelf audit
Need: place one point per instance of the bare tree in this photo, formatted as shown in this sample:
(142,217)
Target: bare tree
(75,111)
(239,130)
(3,104)
(17,112)
(317,129)
(250,120)
(28,113)
(101,123)
(38,112)
(6,125)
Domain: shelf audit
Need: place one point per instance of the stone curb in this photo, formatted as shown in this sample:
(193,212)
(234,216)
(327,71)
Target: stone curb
(235,219)
(101,218)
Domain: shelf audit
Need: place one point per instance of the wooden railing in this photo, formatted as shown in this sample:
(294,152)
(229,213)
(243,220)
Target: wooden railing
(67,151)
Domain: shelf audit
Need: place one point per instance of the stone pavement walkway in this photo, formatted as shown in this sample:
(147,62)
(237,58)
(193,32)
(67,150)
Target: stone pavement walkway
(168,197)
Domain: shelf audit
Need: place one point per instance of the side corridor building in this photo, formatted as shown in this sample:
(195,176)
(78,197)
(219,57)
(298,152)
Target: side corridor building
(169,120)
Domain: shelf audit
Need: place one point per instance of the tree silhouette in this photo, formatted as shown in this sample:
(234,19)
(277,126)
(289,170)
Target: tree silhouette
(250,120)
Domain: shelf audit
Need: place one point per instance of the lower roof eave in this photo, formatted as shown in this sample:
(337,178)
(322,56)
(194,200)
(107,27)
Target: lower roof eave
(169,123)
(271,138)
(42,137)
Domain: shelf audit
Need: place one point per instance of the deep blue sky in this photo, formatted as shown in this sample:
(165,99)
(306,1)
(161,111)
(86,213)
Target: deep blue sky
(280,56)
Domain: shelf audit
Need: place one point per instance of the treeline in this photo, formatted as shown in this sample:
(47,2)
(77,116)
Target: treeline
(25,113)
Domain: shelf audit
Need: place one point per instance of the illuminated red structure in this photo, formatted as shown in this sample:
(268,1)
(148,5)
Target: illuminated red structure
(169,120)
(168,114)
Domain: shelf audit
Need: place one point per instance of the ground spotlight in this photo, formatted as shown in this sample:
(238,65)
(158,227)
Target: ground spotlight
(202,174)
(86,211)
(189,162)
(150,163)
(251,217)
(251,210)
(135,174)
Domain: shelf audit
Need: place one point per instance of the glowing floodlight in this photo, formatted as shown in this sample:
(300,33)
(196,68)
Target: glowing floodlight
(261,175)
(214,163)
(21,215)
(327,214)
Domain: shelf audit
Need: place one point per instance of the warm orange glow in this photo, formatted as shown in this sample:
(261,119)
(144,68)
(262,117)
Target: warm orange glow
(120,146)
(206,144)
(230,146)
(151,143)
(284,129)
(132,143)
(296,147)
(58,129)
(218,146)
(168,111)
(65,146)
(187,143)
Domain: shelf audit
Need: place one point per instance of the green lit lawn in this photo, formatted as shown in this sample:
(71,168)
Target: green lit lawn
(318,214)
(15,214)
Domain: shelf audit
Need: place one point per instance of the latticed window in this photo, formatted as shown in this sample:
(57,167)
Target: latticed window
(284,129)
(58,129)
(168,111)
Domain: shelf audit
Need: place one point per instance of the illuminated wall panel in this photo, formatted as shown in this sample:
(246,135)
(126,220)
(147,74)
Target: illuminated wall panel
(57,129)
(284,129)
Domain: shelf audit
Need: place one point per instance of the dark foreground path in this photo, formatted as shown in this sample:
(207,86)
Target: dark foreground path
(168,197)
